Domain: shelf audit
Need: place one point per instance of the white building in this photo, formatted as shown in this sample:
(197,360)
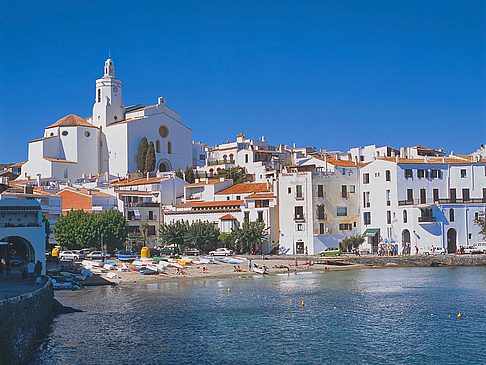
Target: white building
(422,202)
(319,205)
(108,141)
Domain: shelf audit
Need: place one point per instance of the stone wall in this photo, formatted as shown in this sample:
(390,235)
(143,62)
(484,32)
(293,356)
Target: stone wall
(23,319)
(419,260)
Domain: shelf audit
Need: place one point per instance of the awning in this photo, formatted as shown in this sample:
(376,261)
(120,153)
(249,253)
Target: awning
(371,232)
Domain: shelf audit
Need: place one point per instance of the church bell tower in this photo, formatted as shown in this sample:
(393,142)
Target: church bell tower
(108,107)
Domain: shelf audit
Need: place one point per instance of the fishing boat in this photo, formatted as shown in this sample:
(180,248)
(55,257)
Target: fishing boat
(259,270)
(126,256)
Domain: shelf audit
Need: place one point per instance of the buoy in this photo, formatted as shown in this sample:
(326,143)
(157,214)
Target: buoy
(302,304)
(229,290)
(459,315)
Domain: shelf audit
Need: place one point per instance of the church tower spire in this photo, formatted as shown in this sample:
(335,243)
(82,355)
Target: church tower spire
(108,107)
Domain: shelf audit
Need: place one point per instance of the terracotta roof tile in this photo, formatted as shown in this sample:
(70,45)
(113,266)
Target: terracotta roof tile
(260,196)
(206,182)
(84,191)
(58,160)
(223,203)
(342,163)
(228,217)
(245,188)
(70,121)
(142,181)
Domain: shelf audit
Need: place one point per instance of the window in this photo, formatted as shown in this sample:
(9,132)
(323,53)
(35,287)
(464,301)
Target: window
(52,134)
(163,131)
(410,195)
(405,218)
(435,193)
(345,226)
(261,203)
(484,195)
(476,215)
(157,146)
(238,197)
(299,248)
(452,195)
(388,175)
(352,188)
(451,215)
(465,195)
(169,147)
(64,133)
(423,196)
(65,173)
(202,157)
(420,173)
(246,158)
(320,191)
(344,191)
(99,95)
(434,174)
(320,212)
(388,216)
(87,134)
(361,158)
(387,197)
(367,218)
(321,228)
(225,157)
(299,212)
(298,191)
(247,217)
(289,190)
(408,173)
(366,199)
(151,215)
(260,216)
(463,173)
(366,178)
(341,211)
(300,227)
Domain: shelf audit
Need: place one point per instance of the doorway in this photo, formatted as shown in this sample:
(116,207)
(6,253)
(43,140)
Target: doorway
(451,240)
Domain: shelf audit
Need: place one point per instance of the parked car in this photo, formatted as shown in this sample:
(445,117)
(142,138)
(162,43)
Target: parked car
(434,251)
(221,252)
(481,246)
(169,250)
(192,251)
(472,250)
(80,254)
(98,255)
(68,255)
(86,251)
(331,251)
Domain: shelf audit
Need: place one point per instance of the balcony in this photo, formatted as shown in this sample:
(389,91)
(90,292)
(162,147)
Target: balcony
(462,201)
(427,219)
(299,218)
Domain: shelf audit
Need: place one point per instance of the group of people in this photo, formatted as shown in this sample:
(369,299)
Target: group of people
(387,249)
(5,265)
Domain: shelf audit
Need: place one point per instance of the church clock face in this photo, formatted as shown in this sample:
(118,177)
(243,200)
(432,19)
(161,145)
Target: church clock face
(115,90)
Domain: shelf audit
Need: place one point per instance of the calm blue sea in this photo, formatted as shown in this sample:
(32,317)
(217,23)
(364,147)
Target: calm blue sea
(372,316)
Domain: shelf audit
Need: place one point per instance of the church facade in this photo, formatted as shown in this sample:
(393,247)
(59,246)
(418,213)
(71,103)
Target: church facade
(108,141)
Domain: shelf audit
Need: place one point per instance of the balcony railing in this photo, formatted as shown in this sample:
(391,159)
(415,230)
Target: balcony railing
(442,201)
(299,218)
(427,219)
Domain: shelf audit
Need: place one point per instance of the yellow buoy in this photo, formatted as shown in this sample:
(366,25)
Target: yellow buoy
(302,304)
(459,315)
(229,290)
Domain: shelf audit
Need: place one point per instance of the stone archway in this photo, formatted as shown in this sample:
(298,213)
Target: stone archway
(164,165)
(451,240)
(19,247)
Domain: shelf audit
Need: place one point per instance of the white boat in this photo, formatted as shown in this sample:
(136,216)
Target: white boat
(123,268)
(259,270)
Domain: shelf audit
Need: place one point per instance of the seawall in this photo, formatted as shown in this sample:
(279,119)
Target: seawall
(23,319)
(418,260)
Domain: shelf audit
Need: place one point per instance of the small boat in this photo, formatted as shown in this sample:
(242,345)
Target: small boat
(220,260)
(148,272)
(126,256)
(113,275)
(64,283)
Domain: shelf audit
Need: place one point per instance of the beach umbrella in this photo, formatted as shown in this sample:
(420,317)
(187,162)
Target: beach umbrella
(392,240)
(385,240)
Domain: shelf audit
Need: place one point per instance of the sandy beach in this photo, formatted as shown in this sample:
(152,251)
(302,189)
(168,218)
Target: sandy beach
(217,269)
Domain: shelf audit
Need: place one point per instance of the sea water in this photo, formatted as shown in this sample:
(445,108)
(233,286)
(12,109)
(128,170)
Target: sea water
(370,316)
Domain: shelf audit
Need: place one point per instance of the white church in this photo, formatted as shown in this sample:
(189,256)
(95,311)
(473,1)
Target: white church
(108,141)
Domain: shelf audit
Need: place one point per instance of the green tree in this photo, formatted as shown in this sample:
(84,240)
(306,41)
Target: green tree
(173,233)
(77,229)
(196,175)
(237,173)
(142,153)
(114,228)
(144,228)
(347,244)
(203,236)
(480,221)
(228,240)
(248,238)
(189,175)
(150,158)
(179,174)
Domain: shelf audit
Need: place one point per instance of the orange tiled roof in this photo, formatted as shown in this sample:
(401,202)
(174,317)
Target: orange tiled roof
(84,191)
(133,192)
(223,203)
(41,139)
(343,163)
(142,181)
(228,217)
(433,160)
(206,182)
(260,196)
(245,188)
(70,121)
(18,164)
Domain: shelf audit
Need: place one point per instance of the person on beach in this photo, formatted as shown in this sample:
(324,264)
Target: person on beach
(37,269)
(249,265)
(30,269)
(1,266)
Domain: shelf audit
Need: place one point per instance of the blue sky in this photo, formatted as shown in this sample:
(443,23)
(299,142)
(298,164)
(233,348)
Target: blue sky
(329,74)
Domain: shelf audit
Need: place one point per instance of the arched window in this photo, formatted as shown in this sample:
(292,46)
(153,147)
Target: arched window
(157,146)
(169,147)
(224,158)
(99,95)
(232,159)
(451,215)
(405,216)
(406,236)
(388,175)
(163,131)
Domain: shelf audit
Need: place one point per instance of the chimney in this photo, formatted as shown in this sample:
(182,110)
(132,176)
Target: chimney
(106,176)
(161,100)
(148,176)
(89,191)
(197,181)
(397,158)
(38,179)
(90,175)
